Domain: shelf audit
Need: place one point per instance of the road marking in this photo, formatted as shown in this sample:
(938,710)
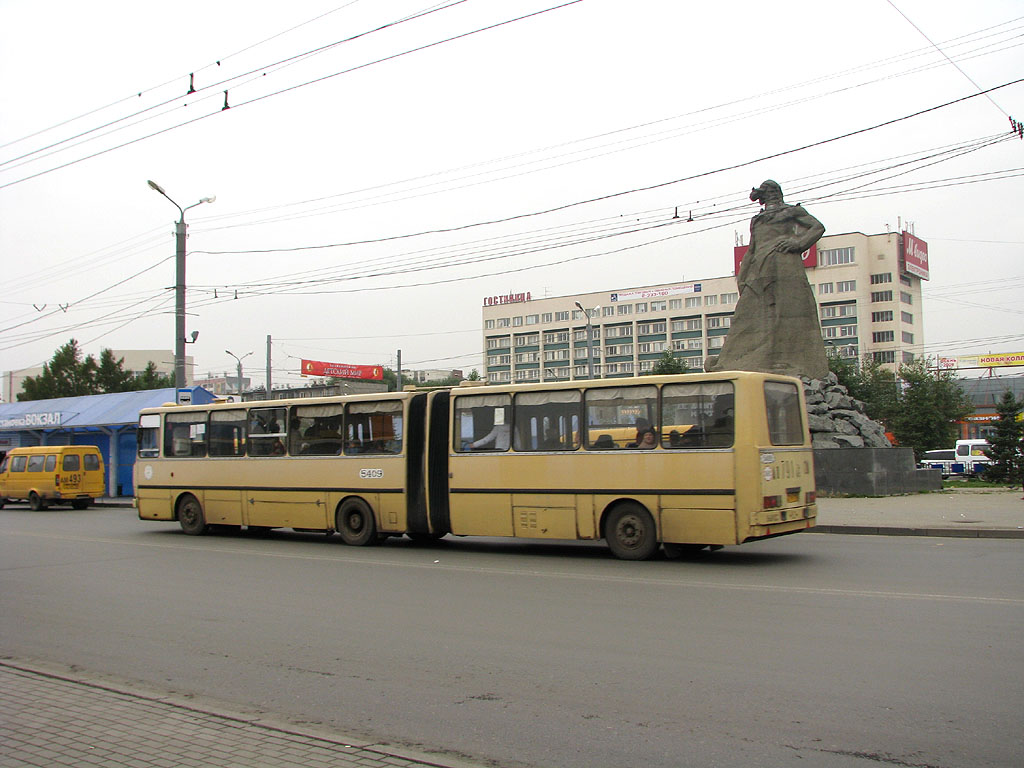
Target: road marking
(352,557)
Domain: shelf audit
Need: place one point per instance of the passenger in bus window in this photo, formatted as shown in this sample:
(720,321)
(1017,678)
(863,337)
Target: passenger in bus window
(646,439)
(498,437)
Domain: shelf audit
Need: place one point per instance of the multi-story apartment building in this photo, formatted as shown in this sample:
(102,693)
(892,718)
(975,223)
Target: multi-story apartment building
(868,289)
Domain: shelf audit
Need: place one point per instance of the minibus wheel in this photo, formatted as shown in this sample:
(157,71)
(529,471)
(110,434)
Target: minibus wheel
(354,521)
(630,532)
(190,516)
(36,502)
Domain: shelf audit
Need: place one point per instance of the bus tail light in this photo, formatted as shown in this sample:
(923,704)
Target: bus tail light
(810,497)
(772,502)
(56,480)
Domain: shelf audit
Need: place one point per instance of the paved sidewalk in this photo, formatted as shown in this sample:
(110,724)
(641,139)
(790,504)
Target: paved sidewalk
(974,513)
(60,718)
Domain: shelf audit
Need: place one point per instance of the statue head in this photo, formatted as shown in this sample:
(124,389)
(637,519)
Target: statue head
(769,191)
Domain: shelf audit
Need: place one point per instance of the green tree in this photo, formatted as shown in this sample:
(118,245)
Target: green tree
(929,404)
(1007,461)
(111,375)
(391,379)
(69,374)
(150,378)
(474,375)
(667,364)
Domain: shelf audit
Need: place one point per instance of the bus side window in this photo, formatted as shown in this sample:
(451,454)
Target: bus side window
(700,415)
(316,430)
(267,431)
(373,427)
(616,416)
(185,434)
(227,432)
(482,423)
(547,421)
(149,435)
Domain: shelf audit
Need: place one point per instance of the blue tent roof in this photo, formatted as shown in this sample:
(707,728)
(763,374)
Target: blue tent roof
(116,409)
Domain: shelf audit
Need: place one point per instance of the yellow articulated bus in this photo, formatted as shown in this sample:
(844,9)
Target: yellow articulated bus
(686,462)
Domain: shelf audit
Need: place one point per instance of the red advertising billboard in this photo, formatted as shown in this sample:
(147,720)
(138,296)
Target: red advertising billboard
(810,257)
(915,256)
(342,370)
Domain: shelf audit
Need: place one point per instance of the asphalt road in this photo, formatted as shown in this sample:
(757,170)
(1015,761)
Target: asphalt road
(814,649)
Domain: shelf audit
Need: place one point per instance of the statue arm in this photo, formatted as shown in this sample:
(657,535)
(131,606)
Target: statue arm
(808,231)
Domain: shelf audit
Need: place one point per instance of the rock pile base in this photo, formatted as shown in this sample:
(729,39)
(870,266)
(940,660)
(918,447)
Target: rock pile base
(837,420)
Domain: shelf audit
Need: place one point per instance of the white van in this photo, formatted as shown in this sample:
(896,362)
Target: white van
(971,459)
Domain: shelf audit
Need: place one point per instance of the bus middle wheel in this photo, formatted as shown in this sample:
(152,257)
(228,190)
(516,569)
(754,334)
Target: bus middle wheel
(355,523)
(630,532)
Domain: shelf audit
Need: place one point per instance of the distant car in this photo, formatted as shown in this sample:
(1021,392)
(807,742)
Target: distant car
(58,474)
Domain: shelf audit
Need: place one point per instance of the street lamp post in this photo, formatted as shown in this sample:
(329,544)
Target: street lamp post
(179,286)
(239,360)
(590,341)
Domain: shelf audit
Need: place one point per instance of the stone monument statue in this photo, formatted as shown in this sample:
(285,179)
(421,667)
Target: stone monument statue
(775,328)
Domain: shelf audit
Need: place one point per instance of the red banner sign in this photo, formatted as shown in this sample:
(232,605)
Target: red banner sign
(809,257)
(342,370)
(915,256)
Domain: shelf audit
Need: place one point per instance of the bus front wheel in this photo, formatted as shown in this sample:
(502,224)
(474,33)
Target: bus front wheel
(191,517)
(630,532)
(355,523)
(36,502)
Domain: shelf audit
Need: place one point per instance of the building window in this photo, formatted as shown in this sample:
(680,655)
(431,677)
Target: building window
(641,307)
(830,332)
(646,328)
(710,300)
(527,340)
(716,342)
(831,257)
(719,322)
(608,311)
(546,317)
(556,354)
(528,357)
(882,317)
(675,303)
(906,317)
(839,310)
(691,324)
(561,317)
(889,356)
(906,298)
(651,346)
(905,280)
(692,301)
(517,321)
(908,338)
(498,343)
(847,330)
(577,314)
(730,298)
(881,296)
(618,331)
(908,357)
(618,350)
(488,325)
(846,286)
(625,309)
(658,306)
(880,337)
(581,334)
(504,322)
(532,319)
(881,277)
(824,288)
(556,337)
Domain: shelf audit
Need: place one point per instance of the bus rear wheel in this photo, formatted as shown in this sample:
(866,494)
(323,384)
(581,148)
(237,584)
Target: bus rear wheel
(354,522)
(630,532)
(191,517)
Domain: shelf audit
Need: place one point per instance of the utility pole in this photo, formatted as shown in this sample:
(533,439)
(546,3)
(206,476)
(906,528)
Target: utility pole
(180,230)
(399,387)
(270,387)
(239,360)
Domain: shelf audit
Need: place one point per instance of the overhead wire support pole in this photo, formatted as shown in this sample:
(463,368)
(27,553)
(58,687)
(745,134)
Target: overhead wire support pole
(180,230)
